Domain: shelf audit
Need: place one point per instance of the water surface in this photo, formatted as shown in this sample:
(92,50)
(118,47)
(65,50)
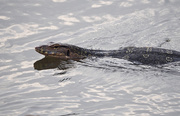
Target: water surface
(33,85)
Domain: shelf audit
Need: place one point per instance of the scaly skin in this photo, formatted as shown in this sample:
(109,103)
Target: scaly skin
(144,55)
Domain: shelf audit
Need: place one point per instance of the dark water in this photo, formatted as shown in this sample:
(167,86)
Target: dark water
(33,85)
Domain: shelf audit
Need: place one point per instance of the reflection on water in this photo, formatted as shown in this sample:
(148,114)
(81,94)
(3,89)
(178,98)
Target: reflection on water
(51,63)
(121,65)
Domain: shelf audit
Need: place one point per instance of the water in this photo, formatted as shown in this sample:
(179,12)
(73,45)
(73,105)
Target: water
(31,85)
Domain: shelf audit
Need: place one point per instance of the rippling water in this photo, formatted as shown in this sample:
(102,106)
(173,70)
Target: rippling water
(33,85)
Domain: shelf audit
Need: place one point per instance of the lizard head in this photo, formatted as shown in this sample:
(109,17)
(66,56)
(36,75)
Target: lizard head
(59,50)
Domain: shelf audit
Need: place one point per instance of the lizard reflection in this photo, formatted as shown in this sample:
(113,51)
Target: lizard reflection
(51,63)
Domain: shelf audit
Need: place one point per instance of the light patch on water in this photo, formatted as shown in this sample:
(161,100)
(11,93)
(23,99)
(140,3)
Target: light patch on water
(89,97)
(68,19)
(12,77)
(101,3)
(137,89)
(5,61)
(22,30)
(96,5)
(25,14)
(17,31)
(103,19)
(106,2)
(125,4)
(131,0)
(26,64)
(161,1)
(4,67)
(52,27)
(4,18)
(13,69)
(110,17)
(91,18)
(145,1)
(59,0)
(65,83)
(38,89)
(36,84)
(37,4)
(37,13)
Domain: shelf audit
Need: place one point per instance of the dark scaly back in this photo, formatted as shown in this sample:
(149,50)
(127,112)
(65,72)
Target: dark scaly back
(149,55)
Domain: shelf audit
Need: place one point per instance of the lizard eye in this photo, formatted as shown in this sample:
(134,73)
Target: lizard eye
(56,46)
(68,53)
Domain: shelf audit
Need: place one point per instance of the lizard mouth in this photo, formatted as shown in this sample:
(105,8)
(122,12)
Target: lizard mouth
(39,50)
